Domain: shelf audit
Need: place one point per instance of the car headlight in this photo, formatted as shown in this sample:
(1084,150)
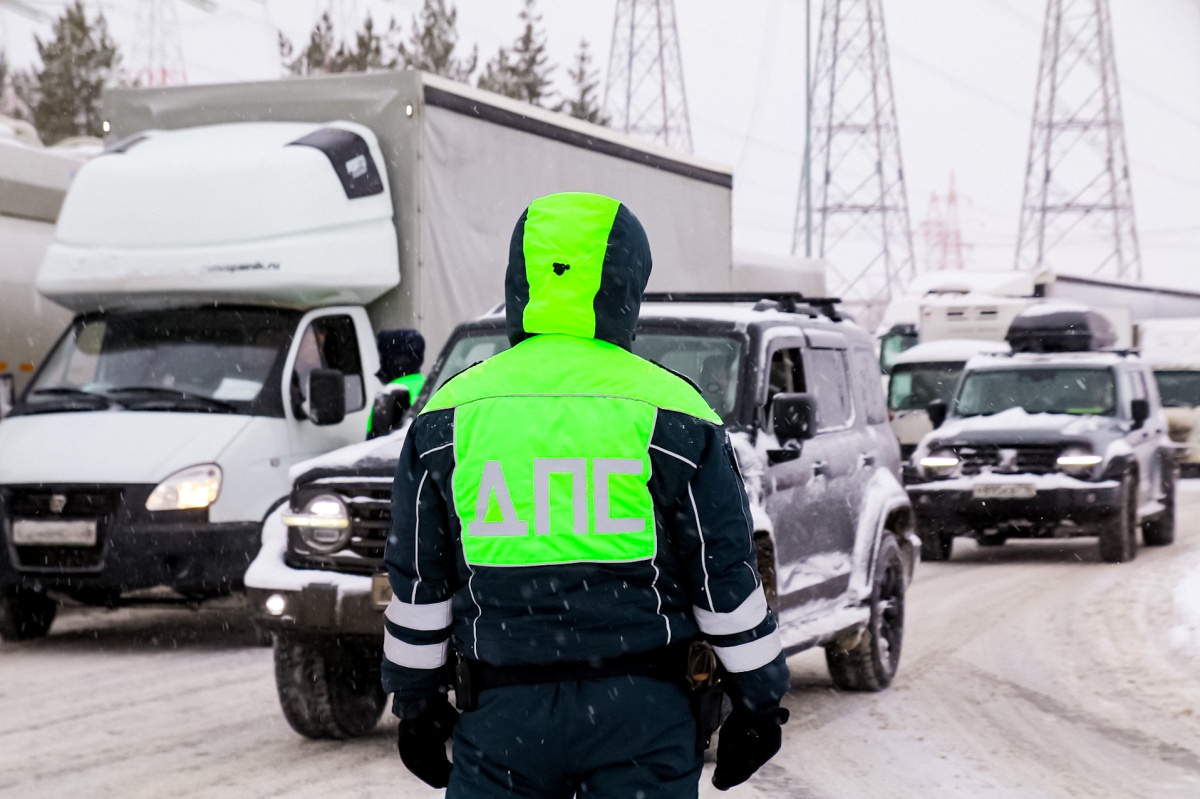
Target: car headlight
(324,524)
(940,463)
(188,489)
(1078,461)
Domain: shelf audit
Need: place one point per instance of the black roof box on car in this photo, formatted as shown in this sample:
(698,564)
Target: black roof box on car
(1056,327)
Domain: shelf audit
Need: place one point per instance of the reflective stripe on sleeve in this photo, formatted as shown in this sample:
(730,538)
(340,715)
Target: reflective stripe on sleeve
(414,656)
(747,657)
(745,617)
(434,616)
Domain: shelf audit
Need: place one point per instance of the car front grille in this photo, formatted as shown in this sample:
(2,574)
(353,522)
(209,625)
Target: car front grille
(1014,459)
(52,503)
(369,502)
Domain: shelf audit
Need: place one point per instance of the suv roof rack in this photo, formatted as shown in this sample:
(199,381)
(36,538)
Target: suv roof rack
(786,301)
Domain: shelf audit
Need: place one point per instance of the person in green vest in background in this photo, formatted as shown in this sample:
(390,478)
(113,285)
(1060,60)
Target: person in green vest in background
(401,354)
(569,518)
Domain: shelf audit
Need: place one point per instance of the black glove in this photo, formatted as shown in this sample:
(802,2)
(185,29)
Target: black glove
(748,740)
(422,743)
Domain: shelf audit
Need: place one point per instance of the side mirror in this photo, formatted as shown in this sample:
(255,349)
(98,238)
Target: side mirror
(937,410)
(795,417)
(6,394)
(326,403)
(1139,409)
(388,410)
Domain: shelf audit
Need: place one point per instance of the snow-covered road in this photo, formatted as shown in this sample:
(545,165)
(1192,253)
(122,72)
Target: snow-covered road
(1032,670)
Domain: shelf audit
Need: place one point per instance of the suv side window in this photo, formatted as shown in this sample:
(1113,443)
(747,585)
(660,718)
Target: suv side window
(785,377)
(868,385)
(329,342)
(1133,386)
(831,387)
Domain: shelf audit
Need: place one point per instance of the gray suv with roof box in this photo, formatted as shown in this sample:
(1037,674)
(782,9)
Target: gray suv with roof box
(1048,443)
(799,391)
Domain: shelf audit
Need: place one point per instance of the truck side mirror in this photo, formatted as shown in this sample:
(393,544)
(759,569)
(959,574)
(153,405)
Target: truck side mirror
(326,403)
(1139,409)
(795,417)
(388,409)
(937,410)
(6,394)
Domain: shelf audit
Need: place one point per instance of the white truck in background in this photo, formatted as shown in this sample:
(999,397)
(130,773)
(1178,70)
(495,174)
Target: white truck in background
(1172,349)
(33,182)
(229,260)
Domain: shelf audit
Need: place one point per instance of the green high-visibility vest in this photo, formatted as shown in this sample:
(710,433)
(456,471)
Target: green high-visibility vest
(552,451)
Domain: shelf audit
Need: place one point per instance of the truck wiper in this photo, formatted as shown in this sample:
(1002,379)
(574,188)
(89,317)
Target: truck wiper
(173,393)
(65,391)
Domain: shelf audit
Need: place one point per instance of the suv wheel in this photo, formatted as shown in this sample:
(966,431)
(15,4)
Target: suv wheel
(1160,531)
(25,615)
(329,687)
(936,544)
(764,548)
(1118,535)
(871,663)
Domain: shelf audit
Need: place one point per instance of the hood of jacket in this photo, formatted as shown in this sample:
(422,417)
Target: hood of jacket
(578,265)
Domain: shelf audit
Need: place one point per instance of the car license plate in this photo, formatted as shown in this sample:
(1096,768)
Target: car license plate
(54,533)
(381,590)
(1005,491)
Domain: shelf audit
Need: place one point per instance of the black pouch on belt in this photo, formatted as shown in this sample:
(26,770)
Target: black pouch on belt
(710,705)
(467,683)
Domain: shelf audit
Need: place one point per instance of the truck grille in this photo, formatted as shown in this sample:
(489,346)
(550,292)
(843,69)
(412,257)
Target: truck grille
(369,502)
(61,502)
(1015,459)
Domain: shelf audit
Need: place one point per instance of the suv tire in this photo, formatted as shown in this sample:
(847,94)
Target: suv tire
(936,545)
(25,615)
(1118,535)
(328,687)
(1160,531)
(871,663)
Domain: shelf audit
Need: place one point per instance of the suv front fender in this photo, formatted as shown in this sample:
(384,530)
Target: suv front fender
(886,509)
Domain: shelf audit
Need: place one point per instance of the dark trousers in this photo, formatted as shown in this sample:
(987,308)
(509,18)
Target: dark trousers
(610,738)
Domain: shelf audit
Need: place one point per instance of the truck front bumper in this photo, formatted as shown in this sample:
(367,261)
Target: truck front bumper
(1059,507)
(133,548)
(316,608)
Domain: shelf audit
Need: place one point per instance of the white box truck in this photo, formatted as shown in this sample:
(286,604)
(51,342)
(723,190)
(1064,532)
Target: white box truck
(229,260)
(1172,348)
(33,181)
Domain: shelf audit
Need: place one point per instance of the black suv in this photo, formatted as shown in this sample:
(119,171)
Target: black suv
(1040,445)
(800,392)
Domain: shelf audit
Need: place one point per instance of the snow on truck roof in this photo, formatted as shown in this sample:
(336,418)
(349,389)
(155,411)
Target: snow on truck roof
(954,349)
(1024,360)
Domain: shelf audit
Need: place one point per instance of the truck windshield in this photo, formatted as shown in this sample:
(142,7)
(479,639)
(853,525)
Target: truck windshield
(1038,390)
(712,362)
(198,359)
(1179,389)
(913,386)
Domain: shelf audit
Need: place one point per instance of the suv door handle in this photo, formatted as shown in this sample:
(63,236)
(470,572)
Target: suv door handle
(820,468)
(866,459)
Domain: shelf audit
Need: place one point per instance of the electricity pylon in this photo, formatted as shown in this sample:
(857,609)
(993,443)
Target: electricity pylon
(853,207)
(644,93)
(156,58)
(1077,211)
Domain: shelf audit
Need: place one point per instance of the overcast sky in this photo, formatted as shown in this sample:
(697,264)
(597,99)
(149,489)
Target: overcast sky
(964,74)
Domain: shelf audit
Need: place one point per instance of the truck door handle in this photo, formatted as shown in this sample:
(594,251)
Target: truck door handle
(866,459)
(820,468)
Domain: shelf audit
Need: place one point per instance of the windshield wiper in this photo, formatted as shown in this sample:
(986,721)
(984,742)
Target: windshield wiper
(173,393)
(65,391)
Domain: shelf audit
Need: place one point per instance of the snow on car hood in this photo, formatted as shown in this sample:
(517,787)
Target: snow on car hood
(125,447)
(1015,425)
(385,449)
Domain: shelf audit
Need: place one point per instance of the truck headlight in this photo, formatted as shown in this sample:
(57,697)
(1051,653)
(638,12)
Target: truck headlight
(324,524)
(1078,462)
(940,463)
(188,489)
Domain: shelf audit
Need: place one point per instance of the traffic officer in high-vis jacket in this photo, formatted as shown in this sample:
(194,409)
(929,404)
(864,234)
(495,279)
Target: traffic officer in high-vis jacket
(568,518)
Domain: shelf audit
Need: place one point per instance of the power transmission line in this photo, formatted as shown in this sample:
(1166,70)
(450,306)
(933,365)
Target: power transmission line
(853,187)
(1077,187)
(644,93)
